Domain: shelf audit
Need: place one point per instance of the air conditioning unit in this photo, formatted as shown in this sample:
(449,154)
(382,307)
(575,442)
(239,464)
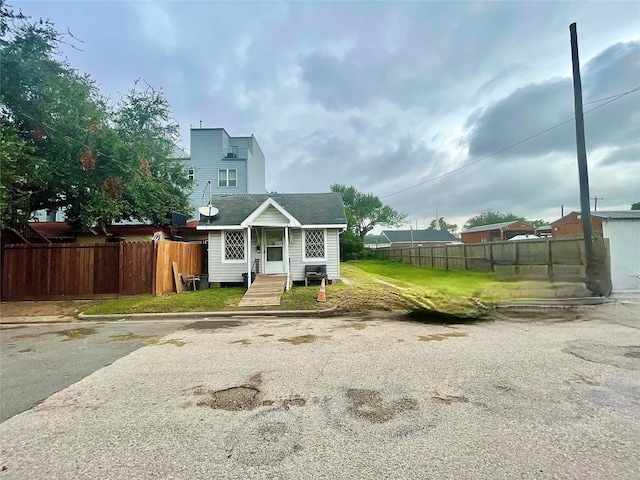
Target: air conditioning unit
(232,155)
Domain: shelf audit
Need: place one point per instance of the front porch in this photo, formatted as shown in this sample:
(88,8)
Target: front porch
(265,290)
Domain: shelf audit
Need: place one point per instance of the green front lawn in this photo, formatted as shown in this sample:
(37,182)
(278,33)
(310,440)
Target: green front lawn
(369,285)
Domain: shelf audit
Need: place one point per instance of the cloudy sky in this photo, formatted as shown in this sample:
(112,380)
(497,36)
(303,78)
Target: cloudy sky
(388,96)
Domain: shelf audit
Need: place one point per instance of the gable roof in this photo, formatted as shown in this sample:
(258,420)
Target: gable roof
(426,235)
(493,226)
(306,208)
(618,214)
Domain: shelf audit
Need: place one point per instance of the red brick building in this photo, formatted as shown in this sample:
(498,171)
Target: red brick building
(571,225)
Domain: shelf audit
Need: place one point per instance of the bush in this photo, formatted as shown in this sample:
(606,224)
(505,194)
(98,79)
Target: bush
(352,247)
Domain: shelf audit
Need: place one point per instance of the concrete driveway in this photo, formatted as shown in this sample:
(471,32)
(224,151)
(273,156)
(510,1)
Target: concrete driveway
(338,398)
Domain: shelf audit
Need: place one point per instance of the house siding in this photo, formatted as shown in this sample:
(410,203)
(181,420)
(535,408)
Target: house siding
(256,168)
(219,271)
(624,242)
(207,156)
(571,224)
(332,260)
(271,217)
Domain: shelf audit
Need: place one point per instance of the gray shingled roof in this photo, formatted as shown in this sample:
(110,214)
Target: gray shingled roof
(307,208)
(618,214)
(493,226)
(427,235)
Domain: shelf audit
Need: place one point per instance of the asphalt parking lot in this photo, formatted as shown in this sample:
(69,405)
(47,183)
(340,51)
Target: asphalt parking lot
(370,397)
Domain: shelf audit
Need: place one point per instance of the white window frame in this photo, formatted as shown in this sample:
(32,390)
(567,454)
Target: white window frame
(223,253)
(304,245)
(227,170)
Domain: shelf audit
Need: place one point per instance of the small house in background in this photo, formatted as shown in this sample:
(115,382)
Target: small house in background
(496,232)
(419,238)
(376,241)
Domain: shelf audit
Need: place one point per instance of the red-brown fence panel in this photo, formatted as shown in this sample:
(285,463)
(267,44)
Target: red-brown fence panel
(49,271)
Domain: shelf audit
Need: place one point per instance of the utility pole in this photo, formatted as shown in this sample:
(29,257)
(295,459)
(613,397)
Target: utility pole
(583,173)
(595,206)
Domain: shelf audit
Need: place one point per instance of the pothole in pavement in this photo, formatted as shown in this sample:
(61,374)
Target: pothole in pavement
(621,356)
(244,397)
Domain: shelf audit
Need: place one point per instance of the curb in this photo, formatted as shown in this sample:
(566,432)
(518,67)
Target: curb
(555,303)
(207,315)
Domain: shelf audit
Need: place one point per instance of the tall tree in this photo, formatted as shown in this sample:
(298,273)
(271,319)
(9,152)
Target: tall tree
(365,211)
(635,206)
(443,225)
(489,217)
(100,163)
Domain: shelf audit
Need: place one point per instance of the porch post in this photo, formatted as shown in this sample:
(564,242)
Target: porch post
(286,255)
(249,256)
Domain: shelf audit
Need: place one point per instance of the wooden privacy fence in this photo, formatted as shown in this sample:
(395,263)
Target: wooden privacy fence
(70,270)
(557,258)
(188,257)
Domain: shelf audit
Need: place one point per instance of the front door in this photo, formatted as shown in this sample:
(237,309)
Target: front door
(274,250)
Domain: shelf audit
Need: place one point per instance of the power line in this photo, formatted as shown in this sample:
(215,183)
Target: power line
(607,100)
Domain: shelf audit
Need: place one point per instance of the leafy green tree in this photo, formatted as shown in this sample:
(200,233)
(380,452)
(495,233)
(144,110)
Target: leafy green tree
(365,211)
(443,225)
(100,163)
(489,217)
(635,206)
(352,247)
(17,167)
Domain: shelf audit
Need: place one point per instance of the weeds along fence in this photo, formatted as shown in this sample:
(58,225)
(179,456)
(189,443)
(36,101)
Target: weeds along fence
(70,270)
(551,258)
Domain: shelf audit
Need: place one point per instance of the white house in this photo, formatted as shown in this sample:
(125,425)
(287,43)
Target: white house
(269,234)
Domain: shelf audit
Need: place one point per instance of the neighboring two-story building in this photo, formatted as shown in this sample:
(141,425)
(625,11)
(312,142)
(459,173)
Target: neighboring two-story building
(220,164)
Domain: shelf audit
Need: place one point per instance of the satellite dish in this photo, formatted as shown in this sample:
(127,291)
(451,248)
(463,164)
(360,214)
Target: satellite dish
(208,211)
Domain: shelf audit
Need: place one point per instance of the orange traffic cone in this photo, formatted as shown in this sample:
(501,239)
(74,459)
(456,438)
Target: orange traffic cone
(322,296)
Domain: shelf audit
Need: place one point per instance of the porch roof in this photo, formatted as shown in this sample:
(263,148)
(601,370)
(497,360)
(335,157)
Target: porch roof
(308,209)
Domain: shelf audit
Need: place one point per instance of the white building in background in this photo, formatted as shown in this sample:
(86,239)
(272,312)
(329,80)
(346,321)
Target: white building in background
(232,165)
(622,228)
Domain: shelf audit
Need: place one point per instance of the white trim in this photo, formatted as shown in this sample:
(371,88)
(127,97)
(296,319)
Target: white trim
(321,226)
(261,209)
(223,250)
(248,256)
(304,247)
(227,179)
(218,227)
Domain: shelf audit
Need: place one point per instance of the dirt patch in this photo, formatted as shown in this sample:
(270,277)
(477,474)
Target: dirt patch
(355,325)
(266,335)
(243,341)
(211,325)
(71,333)
(67,308)
(368,405)
(438,337)
(301,339)
(148,340)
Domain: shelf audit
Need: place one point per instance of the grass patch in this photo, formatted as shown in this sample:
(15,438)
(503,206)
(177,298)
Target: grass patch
(210,300)
(373,285)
